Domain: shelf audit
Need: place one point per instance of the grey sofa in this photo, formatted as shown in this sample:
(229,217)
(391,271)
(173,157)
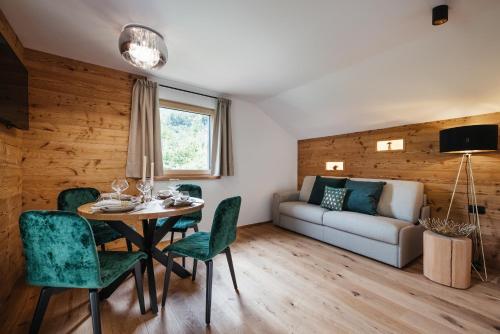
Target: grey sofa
(393,236)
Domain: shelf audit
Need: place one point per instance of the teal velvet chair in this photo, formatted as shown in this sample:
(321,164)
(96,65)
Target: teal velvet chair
(61,253)
(204,246)
(70,199)
(187,221)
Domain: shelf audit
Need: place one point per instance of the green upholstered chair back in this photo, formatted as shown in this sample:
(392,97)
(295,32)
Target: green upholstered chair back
(223,231)
(194,191)
(60,250)
(71,199)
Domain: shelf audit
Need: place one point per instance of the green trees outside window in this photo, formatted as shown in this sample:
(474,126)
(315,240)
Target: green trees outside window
(185,140)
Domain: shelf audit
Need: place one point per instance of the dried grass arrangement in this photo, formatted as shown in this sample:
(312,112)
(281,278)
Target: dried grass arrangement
(448,227)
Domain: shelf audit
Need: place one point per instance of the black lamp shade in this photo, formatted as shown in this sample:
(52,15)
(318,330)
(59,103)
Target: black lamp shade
(439,15)
(469,139)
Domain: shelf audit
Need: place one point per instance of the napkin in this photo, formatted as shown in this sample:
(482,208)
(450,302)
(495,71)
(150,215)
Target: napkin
(108,203)
(168,202)
(176,202)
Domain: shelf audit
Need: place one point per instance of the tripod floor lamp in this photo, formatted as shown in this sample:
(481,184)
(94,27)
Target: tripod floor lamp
(468,140)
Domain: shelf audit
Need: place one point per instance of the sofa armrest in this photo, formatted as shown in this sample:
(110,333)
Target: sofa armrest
(278,198)
(410,244)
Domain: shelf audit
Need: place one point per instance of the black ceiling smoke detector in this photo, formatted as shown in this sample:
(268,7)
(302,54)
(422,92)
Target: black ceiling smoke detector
(439,15)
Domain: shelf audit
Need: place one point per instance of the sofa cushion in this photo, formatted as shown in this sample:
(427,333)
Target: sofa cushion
(304,211)
(374,227)
(318,190)
(400,199)
(305,190)
(363,196)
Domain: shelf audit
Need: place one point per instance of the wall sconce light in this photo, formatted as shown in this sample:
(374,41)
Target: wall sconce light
(390,145)
(334,165)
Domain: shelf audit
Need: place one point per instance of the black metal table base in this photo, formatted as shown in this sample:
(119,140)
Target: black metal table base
(147,243)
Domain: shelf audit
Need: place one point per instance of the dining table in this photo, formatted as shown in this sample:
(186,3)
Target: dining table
(148,214)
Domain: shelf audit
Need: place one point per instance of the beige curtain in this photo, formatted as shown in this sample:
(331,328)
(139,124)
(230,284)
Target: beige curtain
(144,136)
(222,143)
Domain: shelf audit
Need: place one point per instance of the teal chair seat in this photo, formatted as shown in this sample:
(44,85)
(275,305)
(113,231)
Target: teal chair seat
(60,253)
(114,264)
(181,225)
(196,246)
(205,246)
(71,199)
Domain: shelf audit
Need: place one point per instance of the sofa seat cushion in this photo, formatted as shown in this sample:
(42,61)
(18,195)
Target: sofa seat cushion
(379,228)
(304,211)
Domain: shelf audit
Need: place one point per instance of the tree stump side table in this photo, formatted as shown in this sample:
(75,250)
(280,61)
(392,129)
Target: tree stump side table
(447,260)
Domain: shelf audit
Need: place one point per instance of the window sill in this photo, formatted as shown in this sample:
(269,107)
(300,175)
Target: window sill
(186,177)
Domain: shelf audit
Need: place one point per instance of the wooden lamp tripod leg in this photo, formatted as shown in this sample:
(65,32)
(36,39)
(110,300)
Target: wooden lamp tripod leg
(475,214)
(455,187)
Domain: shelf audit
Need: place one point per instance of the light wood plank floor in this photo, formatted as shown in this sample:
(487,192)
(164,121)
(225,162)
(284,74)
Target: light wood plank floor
(288,284)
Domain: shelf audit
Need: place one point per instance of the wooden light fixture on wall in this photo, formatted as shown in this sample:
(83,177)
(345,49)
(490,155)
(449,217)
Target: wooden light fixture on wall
(334,165)
(390,145)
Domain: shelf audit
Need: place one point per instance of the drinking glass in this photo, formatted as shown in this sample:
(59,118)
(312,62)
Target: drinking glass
(119,186)
(145,189)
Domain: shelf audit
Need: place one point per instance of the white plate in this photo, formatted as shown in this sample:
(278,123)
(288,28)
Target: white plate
(123,208)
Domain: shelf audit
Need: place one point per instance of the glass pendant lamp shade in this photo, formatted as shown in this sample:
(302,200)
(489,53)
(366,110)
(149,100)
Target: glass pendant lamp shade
(142,47)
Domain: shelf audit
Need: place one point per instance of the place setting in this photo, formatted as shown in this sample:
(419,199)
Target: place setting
(118,202)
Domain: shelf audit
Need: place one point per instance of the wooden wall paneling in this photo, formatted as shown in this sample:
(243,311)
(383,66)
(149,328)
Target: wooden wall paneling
(78,135)
(420,161)
(11,260)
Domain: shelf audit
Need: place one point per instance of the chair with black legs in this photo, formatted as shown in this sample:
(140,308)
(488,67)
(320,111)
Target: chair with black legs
(61,254)
(70,199)
(186,221)
(204,246)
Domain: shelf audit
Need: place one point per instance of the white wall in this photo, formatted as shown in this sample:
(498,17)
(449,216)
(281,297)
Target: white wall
(265,159)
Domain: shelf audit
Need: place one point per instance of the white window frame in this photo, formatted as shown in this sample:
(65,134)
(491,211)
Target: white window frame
(186,173)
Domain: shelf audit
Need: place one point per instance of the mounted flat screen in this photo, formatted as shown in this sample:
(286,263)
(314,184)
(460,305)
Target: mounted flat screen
(13,89)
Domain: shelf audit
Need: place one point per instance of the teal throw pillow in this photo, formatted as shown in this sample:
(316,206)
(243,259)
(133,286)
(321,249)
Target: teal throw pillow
(318,189)
(334,198)
(363,196)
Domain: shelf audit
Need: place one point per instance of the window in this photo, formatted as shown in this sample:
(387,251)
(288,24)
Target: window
(186,132)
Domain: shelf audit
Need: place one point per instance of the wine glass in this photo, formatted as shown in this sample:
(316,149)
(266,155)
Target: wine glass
(144,188)
(119,185)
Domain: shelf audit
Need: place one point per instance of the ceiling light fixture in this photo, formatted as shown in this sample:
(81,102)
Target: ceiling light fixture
(142,47)
(439,15)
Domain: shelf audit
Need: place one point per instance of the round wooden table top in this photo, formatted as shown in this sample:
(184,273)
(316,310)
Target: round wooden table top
(153,210)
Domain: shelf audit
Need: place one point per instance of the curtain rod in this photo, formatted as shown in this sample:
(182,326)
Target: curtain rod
(188,91)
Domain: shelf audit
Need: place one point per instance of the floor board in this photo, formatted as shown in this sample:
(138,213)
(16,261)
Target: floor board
(288,284)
